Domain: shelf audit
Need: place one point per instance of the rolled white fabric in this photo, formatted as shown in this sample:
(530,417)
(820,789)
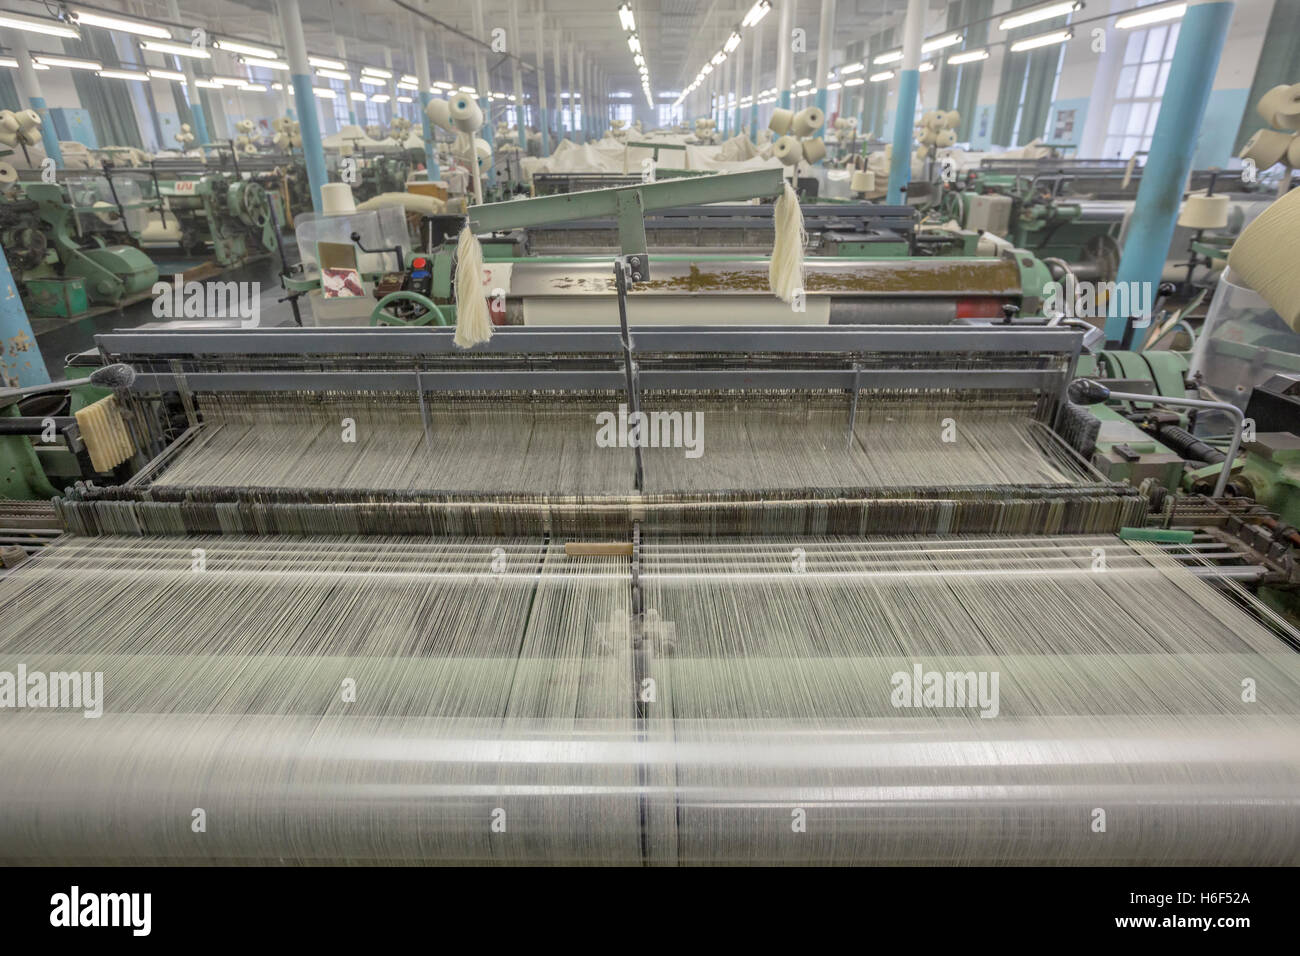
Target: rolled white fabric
(787,150)
(807,121)
(814,150)
(780,121)
(465,114)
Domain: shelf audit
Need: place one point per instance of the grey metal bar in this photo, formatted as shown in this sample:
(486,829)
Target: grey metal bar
(520,340)
(542,379)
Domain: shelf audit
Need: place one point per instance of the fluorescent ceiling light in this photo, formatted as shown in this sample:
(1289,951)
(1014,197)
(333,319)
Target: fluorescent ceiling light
(444,85)
(880,77)
(969,56)
(625,18)
(1043,39)
(372,81)
(409,78)
(323,93)
(177,49)
(803,82)
(856,81)
(1146,17)
(376,71)
(405,99)
(11,63)
(265,64)
(707,69)
(333,75)
(326,63)
(122,25)
(638,59)
(925,67)
(1039,14)
(207,84)
(167,75)
(230,80)
(124,75)
(253,88)
(380,98)
(49,28)
(71,63)
(757,12)
(890,57)
(468,89)
(408,86)
(718,58)
(834,86)
(247,49)
(733,41)
(277,86)
(634,43)
(358,96)
(852,68)
(941,43)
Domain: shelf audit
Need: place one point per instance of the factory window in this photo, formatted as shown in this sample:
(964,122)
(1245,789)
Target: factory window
(1139,87)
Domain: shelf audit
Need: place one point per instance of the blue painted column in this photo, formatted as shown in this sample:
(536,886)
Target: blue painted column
(193,95)
(309,116)
(29,87)
(1160,194)
(20,359)
(755,78)
(909,81)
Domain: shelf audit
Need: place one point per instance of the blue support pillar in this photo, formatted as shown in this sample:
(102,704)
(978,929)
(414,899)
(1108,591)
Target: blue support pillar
(1160,194)
(200,120)
(20,359)
(430,145)
(900,163)
(309,116)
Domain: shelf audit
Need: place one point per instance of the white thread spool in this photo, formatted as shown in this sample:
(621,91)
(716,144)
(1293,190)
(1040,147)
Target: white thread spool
(31,135)
(945,138)
(336,199)
(787,150)
(1280,106)
(927,136)
(465,114)
(938,122)
(8,173)
(483,150)
(1204,212)
(814,150)
(29,119)
(9,121)
(952,119)
(1266,147)
(864,181)
(929,117)
(780,121)
(1293,153)
(807,121)
(921,152)
(1264,257)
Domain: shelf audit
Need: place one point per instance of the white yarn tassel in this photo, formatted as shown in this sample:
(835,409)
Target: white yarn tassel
(473,324)
(785,273)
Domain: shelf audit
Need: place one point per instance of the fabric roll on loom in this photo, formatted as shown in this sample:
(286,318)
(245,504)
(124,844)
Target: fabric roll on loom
(473,657)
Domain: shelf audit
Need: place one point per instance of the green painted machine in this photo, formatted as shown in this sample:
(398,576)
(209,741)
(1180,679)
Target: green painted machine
(221,211)
(71,250)
(870,279)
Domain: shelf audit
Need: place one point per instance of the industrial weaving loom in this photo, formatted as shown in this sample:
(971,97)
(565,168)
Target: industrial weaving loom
(371,599)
